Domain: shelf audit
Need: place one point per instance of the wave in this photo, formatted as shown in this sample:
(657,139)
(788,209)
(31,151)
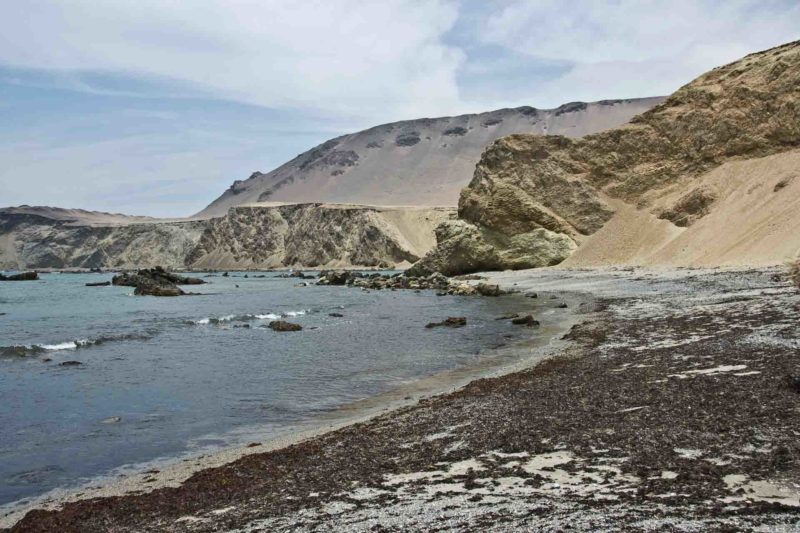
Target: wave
(245,318)
(24,350)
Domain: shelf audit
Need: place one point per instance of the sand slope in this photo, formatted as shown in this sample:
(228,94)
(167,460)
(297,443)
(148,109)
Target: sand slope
(415,162)
(752,222)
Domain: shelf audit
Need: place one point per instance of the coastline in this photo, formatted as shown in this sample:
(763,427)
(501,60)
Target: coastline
(602,434)
(172,471)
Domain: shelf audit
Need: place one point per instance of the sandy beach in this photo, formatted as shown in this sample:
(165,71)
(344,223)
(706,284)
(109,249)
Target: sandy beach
(672,404)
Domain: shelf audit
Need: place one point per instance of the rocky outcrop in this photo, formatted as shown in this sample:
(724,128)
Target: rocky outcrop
(534,199)
(156,274)
(155,282)
(55,238)
(414,162)
(303,235)
(316,235)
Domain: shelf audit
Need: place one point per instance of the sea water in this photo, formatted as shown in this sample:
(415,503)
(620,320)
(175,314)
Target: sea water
(159,377)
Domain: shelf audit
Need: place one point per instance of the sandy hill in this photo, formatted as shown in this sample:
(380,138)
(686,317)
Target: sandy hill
(707,177)
(415,162)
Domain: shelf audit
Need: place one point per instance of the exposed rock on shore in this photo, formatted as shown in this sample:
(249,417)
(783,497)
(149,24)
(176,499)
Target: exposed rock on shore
(534,199)
(376,281)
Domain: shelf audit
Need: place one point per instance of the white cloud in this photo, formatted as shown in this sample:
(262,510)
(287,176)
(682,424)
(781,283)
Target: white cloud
(630,48)
(350,57)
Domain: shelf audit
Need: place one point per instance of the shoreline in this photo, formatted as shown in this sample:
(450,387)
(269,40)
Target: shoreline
(669,408)
(172,471)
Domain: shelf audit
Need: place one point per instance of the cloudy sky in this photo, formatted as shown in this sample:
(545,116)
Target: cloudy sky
(155,106)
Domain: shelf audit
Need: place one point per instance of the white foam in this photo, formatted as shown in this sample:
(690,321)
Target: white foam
(71,345)
(268,316)
(295,313)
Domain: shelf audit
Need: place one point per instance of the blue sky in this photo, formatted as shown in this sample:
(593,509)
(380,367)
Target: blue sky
(155,106)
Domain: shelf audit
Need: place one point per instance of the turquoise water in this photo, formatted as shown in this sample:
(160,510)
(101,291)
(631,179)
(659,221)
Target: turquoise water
(162,376)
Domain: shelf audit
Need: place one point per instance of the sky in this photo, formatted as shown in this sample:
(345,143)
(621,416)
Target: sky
(153,107)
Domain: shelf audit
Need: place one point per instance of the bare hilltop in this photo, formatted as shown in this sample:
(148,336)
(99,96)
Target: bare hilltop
(422,162)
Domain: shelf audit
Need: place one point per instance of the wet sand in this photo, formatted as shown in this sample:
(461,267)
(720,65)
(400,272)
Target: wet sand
(672,405)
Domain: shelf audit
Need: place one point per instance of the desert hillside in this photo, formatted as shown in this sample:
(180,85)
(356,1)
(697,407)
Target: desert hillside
(707,177)
(305,235)
(415,162)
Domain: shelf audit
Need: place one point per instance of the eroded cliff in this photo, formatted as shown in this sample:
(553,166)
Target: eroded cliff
(534,200)
(303,235)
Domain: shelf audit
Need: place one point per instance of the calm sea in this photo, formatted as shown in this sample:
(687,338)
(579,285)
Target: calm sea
(160,377)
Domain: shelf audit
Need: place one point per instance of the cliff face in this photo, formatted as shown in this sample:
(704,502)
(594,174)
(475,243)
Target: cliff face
(304,235)
(316,235)
(531,196)
(41,241)
(414,162)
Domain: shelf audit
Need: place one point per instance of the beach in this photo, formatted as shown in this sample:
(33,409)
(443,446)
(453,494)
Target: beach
(672,404)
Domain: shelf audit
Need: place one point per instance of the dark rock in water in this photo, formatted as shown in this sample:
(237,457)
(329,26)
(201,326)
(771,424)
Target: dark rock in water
(507,316)
(450,322)
(297,274)
(487,289)
(152,289)
(526,320)
(24,276)
(338,278)
(96,270)
(99,284)
(70,363)
(254,445)
(336,315)
(157,274)
(155,282)
(531,295)
(562,306)
(225,275)
(282,325)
